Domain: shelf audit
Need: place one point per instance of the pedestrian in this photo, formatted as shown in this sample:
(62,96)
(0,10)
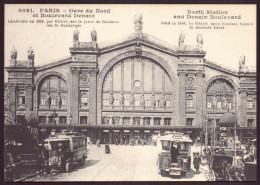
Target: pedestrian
(107,149)
(98,142)
(196,162)
(40,164)
(46,160)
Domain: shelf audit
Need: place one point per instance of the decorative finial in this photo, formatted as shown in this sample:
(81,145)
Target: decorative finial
(242,62)
(199,41)
(13,54)
(94,35)
(138,21)
(181,40)
(76,38)
(30,53)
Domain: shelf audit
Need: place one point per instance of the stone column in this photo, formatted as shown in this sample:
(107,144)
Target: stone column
(142,121)
(121,121)
(74,98)
(131,121)
(110,136)
(29,97)
(111,120)
(182,98)
(152,121)
(47,120)
(199,99)
(162,121)
(242,108)
(93,96)
(12,101)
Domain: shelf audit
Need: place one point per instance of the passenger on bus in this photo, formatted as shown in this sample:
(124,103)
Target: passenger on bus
(174,153)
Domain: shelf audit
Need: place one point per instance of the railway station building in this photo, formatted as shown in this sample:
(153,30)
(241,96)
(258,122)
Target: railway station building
(137,87)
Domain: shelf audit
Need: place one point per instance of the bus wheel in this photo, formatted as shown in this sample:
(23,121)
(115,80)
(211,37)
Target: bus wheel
(158,168)
(68,167)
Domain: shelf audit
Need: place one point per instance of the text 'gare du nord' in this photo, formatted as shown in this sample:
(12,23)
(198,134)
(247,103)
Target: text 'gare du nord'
(137,87)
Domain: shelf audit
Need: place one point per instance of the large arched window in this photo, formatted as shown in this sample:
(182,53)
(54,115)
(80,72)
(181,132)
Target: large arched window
(53,92)
(137,82)
(220,94)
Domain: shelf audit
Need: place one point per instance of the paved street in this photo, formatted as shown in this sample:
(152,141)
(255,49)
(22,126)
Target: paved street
(125,163)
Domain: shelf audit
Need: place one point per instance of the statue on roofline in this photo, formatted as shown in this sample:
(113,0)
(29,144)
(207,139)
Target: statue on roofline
(138,21)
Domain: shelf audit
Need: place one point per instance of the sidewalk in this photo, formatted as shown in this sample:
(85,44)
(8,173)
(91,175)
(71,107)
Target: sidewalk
(27,173)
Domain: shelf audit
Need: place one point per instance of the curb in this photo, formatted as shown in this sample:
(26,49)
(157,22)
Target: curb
(24,178)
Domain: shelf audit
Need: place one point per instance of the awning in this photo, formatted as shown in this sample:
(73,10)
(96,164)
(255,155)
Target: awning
(115,130)
(136,131)
(126,130)
(147,131)
(105,130)
(253,140)
(156,131)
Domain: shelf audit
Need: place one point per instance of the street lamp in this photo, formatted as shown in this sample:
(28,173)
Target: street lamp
(54,116)
(70,121)
(214,120)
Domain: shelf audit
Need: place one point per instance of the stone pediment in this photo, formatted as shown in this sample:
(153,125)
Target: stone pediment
(138,38)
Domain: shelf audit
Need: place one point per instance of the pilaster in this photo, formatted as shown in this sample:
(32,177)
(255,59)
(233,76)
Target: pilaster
(182,95)
(199,98)
(242,108)
(74,105)
(93,96)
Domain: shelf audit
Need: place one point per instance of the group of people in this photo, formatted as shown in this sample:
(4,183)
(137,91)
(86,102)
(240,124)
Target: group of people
(175,153)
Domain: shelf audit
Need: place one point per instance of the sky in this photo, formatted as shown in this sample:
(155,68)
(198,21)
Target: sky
(223,46)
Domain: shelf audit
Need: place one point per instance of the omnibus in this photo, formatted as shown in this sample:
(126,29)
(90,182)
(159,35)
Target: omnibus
(66,149)
(164,161)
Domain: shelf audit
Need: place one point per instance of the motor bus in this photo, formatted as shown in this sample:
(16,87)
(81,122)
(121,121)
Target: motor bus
(164,158)
(66,149)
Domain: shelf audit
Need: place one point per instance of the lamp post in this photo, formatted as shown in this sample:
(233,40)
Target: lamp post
(206,134)
(214,120)
(235,134)
(70,121)
(54,116)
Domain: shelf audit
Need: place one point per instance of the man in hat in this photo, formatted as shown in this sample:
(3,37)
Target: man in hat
(174,153)
(196,162)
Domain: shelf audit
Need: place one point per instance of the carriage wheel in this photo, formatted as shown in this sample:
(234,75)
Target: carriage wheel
(68,167)
(211,176)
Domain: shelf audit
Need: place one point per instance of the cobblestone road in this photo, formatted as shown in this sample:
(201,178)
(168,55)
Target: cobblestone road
(125,163)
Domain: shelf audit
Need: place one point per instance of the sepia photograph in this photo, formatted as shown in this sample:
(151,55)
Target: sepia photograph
(125,92)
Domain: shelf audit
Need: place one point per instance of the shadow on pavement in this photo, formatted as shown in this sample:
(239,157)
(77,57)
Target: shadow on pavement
(88,163)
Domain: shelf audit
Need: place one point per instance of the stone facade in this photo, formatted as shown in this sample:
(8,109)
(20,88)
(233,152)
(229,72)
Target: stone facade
(75,88)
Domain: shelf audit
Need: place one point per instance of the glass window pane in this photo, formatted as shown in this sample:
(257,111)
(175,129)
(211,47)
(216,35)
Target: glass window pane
(117,77)
(148,76)
(106,85)
(138,69)
(168,84)
(54,82)
(157,78)
(127,75)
